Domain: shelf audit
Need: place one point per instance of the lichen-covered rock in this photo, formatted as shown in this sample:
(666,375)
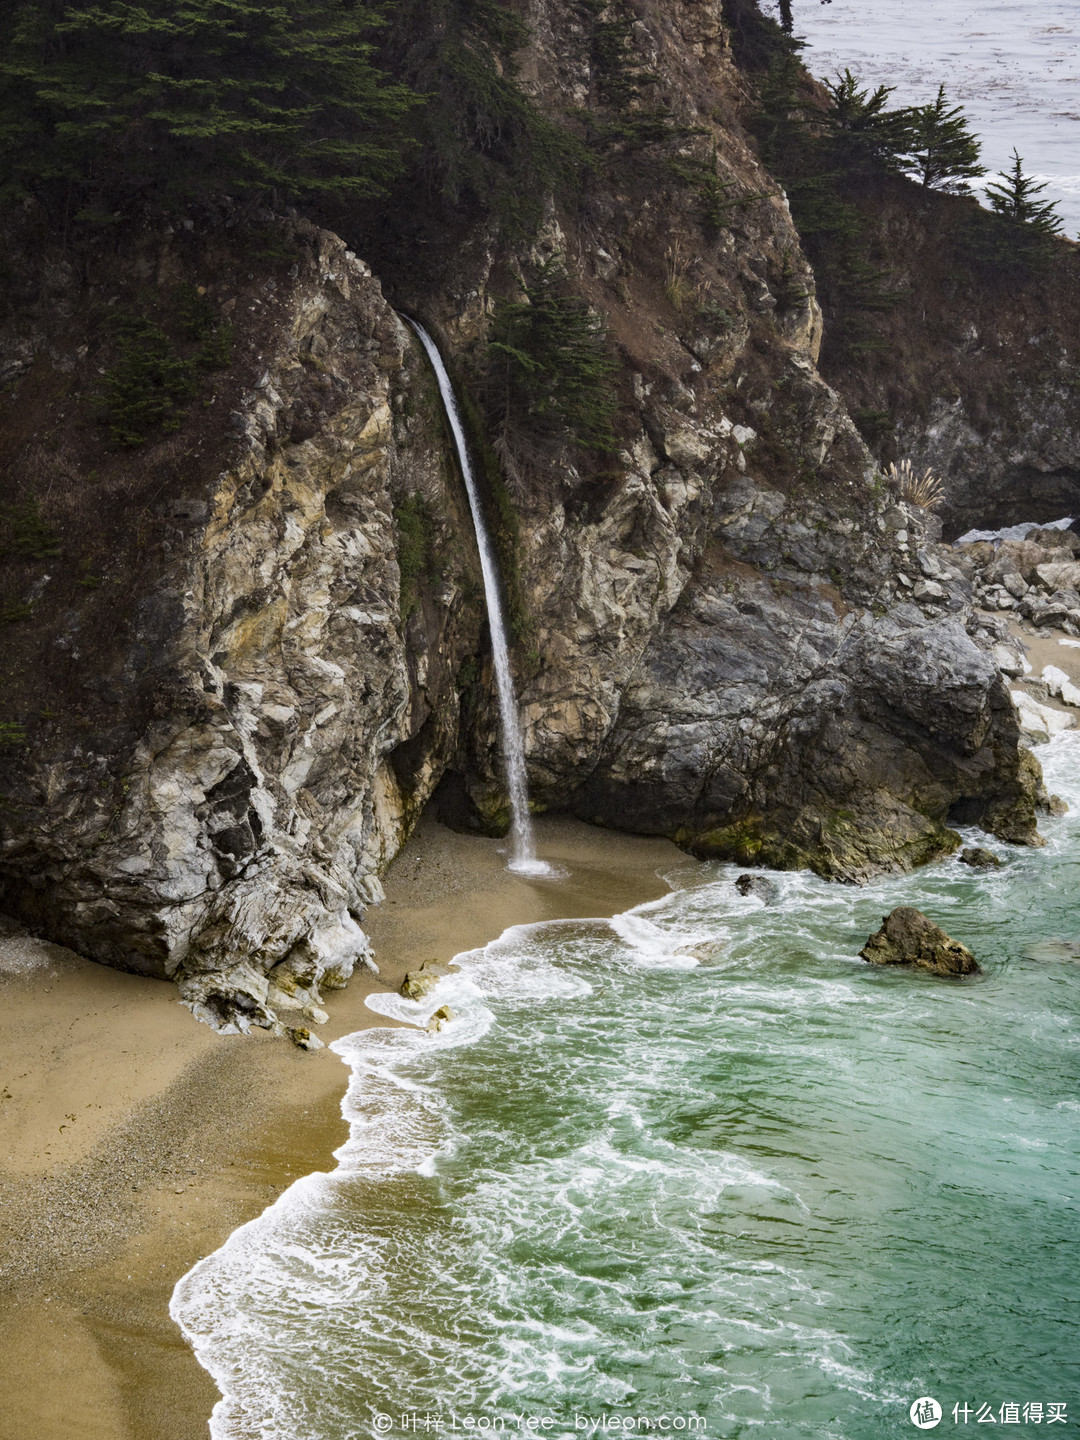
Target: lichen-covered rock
(908,937)
(303,699)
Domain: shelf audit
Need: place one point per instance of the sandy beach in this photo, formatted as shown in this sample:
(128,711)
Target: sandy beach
(133,1140)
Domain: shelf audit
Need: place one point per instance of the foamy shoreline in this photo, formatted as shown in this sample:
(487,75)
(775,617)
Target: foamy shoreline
(181,1135)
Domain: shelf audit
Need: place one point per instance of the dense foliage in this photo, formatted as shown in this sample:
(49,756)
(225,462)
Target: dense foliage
(943,154)
(479,139)
(549,376)
(108,100)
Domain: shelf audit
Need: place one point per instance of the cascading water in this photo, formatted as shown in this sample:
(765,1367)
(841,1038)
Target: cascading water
(522,844)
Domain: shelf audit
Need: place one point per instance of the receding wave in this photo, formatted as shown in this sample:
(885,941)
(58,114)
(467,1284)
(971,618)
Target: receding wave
(696,1160)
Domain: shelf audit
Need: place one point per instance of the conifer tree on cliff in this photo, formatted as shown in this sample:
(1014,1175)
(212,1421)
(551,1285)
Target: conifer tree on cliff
(944,152)
(185,99)
(1014,197)
(862,135)
(1021,232)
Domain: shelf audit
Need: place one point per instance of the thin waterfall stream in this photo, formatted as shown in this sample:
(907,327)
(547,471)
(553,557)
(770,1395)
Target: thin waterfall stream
(522,842)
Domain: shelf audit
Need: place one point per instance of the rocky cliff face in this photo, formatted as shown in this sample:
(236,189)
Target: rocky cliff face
(977,374)
(298,698)
(736,636)
(743,642)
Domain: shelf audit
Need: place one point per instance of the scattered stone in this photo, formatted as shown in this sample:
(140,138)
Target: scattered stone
(420,983)
(766,890)
(303,1039)
(441,1017)
(1060,686)
(979,858)
(908,937)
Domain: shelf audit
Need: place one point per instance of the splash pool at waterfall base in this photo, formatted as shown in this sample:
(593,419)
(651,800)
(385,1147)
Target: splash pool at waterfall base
(698,1169)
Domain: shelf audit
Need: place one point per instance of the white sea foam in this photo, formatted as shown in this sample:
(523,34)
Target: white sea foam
(594,1249)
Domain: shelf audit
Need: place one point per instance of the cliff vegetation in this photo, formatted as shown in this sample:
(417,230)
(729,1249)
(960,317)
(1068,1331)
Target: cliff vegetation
(242,619)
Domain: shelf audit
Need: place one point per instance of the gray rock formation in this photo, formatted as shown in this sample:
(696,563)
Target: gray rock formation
(907,937)
(306,702)
(730,633)
(759,886)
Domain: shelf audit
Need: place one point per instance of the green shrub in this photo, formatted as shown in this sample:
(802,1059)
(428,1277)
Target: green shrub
(549,373)
(216,350)
(147,386)
(26,536)
(417,535)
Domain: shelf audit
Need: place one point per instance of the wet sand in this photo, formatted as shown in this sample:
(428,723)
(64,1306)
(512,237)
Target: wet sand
(133,1140)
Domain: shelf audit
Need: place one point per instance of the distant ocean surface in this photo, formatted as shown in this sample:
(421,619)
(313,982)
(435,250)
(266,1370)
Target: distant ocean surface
(1014,67)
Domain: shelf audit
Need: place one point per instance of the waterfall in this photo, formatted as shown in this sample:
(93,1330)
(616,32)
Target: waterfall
(523,846)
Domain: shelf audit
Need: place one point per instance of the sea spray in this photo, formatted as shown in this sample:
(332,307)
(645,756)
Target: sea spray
(522,843)
(776,1188)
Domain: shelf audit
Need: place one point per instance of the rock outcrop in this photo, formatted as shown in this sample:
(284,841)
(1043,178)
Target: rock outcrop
(298,701)
(907,937)
(976,371)
(237,694)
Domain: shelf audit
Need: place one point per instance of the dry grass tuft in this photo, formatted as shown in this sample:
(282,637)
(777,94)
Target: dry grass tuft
(926,490)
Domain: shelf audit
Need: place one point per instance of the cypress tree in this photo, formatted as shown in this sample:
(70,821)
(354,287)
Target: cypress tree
(480,139)
(1015,198)
(549,373)
(188,99)
(1019,232)
(944,152)
(863,135)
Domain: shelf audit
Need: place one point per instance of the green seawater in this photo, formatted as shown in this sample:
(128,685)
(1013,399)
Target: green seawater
(699,1169)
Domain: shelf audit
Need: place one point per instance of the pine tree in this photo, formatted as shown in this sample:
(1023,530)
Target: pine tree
(193,98)
(481,140)
(944,152)
(549,371)
(1019,232)
(1014,197)
(863,135)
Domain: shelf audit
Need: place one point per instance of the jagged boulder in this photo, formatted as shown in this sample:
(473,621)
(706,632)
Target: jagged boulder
(908,937)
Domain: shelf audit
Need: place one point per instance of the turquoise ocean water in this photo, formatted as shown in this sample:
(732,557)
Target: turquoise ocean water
(698,1168)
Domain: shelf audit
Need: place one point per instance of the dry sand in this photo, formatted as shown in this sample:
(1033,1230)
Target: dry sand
(133,1140)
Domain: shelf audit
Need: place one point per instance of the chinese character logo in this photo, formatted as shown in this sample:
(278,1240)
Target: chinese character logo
(925,1413)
